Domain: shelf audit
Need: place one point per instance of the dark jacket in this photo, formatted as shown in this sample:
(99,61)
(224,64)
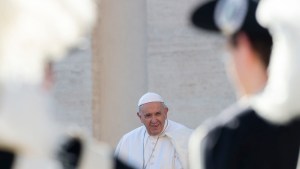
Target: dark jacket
(240,139)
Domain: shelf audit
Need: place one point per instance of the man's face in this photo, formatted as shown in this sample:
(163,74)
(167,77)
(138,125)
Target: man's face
(238,64)
(233,68)
(153,116)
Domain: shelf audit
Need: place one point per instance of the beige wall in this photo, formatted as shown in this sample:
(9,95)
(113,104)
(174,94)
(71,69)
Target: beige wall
(185,65)
(182,64)
(119,66)
(73,88)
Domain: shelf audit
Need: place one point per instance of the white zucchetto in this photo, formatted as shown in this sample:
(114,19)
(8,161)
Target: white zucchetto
(150,97)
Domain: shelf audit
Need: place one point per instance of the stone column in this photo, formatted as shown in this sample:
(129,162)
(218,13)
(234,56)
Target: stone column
(119,67)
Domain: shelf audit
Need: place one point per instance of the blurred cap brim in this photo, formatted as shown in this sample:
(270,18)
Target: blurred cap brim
(203,16)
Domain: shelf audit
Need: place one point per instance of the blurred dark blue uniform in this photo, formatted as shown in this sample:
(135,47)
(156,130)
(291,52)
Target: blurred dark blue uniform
(240,139)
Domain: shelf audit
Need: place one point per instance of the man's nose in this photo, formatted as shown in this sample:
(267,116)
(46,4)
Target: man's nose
(153,119)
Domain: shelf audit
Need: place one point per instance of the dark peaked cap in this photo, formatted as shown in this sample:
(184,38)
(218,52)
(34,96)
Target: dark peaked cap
(219,15)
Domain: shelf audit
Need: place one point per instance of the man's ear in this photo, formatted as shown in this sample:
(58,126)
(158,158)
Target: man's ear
(48,76)
(138,114)
(166,110)
(245,47)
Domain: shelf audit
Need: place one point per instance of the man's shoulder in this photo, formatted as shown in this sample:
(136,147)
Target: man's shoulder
(223,126)
(178,129)
(238,122)
(135,132)
(230,117)
(175,125)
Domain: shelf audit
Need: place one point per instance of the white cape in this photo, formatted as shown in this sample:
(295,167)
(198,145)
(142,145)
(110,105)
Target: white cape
(130,147)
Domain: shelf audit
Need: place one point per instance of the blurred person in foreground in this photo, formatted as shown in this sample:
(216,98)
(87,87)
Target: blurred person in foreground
(261,131)
(158,144)
(240,137)
(33,34)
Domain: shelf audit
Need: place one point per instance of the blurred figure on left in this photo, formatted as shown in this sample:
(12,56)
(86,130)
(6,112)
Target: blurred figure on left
(33,34)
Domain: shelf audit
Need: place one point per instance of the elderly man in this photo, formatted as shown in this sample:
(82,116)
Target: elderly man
(246,136)
(158,144)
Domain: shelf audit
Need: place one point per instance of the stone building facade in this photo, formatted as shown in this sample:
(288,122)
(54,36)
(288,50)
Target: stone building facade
(182,64)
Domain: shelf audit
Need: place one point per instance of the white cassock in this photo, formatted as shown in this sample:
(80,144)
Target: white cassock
(167,151)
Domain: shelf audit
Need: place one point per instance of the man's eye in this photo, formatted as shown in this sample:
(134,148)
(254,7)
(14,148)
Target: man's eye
(147,116)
